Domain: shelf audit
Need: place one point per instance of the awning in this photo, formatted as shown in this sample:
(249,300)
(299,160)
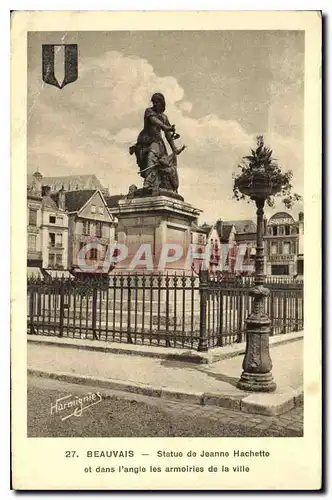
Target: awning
(34,272)
(58,273)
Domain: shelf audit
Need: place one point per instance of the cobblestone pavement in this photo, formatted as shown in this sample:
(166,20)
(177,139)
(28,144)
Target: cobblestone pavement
(123,414)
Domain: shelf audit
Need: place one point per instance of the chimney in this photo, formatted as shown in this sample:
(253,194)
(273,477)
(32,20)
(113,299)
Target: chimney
(62,199)
(46,190)
(219,225)
(37,182)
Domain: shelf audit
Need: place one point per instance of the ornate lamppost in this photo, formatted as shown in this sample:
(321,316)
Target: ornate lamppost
(260,180)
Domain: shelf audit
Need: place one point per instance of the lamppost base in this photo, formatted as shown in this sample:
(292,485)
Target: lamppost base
(256,382)
(202,348)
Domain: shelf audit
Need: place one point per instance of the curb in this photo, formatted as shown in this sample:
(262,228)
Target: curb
(258,403)
(188,356)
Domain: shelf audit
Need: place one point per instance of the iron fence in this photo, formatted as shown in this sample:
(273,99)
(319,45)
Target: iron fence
(229,303)
(166,310)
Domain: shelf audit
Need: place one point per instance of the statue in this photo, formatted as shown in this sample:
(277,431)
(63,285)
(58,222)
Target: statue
(157,167)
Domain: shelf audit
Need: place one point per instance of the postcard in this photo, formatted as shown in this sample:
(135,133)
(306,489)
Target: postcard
(166,236)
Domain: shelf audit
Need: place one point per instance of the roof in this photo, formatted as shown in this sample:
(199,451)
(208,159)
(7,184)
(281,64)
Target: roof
(226,231)
(281,215)
(112,201)
(75,200)
(243,226)
(206,228)
(197,229)
(71,182)
(47,201)
(246,237)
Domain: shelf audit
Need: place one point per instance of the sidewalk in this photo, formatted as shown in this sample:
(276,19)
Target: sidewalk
(213,384)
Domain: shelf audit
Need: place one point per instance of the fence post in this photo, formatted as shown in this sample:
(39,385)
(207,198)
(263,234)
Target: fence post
(271,312)
(129,339)
(239,336)
(203,292)
(31,309)
(297,296)
(94,311)
(62,307)
(284,313)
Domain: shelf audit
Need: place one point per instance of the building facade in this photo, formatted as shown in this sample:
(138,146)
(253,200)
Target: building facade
(47,230)
(282,245)
(34,220)
(91,227)
(245,236)
(54,233)
(234,242)
(300,256)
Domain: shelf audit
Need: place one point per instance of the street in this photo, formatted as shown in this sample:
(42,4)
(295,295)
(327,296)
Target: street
(123,414)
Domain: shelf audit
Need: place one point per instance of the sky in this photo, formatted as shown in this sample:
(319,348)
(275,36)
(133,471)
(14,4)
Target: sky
(222,88)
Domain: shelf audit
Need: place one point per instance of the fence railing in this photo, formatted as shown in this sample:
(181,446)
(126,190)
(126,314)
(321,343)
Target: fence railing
(229,304)
(165,310)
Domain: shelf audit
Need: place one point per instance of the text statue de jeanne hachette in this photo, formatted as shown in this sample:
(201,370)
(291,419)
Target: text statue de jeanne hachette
(157,167)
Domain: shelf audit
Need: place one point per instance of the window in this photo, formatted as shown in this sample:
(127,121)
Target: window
(86,227)
(93,209)
(93,254)
(59,220)
(51,239)
(58,240)
(287,230)
(32,217)
(269,230)
(281,230)
(51,259)
(58,260)
(99,228)
(101,210)
(32,239)
(274,230)
(286,248)
(273,248)
(52,219)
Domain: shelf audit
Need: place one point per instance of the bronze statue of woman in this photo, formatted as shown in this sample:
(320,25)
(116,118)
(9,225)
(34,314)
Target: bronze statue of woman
(158,169)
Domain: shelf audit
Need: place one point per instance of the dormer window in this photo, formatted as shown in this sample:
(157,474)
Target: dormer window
(52,219)
(93,209)
(101,210)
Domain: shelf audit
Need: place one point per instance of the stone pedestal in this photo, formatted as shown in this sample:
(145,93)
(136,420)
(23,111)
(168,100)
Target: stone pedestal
(155,220)
(163,298)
